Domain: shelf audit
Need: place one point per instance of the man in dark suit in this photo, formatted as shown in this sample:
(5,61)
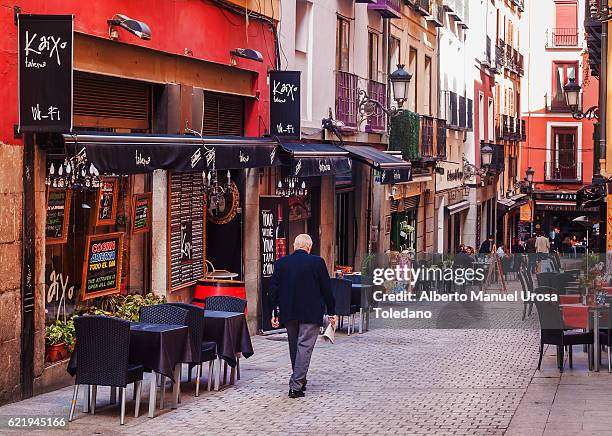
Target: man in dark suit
(300,289)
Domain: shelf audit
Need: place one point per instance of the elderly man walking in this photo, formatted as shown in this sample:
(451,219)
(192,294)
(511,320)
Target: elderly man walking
(300,289)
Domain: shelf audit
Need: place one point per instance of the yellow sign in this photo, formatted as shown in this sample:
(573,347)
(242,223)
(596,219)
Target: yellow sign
(526,212)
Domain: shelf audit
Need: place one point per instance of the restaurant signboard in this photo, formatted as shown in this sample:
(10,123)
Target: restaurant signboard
(106,205)
(58,216)
(45,73)
(273,244)
(141,213)
(285,105)
(102,265)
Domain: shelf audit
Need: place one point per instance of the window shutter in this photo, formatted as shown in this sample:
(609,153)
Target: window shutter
(105,102)
(223,115)
(566,15)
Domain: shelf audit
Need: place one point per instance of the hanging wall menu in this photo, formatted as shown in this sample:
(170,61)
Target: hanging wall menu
(186,219)
(102,265)
(106,206)
(141,213)
(58,216)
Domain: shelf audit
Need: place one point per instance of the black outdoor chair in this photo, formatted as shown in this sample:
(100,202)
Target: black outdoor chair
(163,314)
(342,291)
(554,332)
(204,351)
(224,303)
(557,280)
(102,352)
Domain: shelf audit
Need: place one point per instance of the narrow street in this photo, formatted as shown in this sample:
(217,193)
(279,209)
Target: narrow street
(389,380)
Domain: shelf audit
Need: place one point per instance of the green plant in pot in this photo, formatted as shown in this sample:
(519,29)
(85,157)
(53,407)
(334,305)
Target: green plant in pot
(59,339)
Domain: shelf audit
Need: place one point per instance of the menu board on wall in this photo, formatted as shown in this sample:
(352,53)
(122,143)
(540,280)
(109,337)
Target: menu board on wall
(106,205)
(141,213)
(58,216)
(186,235)
(273,244)
(102,265)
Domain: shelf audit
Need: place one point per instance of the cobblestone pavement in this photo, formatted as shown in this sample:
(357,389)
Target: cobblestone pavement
(389,380)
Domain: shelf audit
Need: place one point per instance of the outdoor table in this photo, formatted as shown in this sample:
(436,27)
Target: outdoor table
(594,311)
(365,305)
(159,347)
(229,330)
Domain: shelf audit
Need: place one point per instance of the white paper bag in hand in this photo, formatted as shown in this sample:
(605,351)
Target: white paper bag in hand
(330,331)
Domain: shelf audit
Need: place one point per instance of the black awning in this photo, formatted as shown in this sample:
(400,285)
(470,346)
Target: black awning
(134,154)
(309,160)
(393,168)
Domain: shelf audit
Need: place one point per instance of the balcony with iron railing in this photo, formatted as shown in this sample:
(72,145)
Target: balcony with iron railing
(523,131)
(568,172)
(387,8)
(499,57)
(421,6)
(346,99)
(378,122)
(487,53)
(427,137)
(562,37)
(557,104)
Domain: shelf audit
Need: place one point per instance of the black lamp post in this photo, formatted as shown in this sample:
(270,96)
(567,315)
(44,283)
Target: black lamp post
(400,83)
(571,90)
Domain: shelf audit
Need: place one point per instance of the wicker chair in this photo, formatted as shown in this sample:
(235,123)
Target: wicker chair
(224,303)
(342,290)
(553,330)
(164,314)
(205,351)
(102,351)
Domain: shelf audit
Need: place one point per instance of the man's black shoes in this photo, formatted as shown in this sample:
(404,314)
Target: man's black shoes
(295,394)
(304,387)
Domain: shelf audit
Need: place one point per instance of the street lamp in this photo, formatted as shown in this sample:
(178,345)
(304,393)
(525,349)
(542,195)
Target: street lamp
(400,83)
(571,90)
(529,175)
(486,156)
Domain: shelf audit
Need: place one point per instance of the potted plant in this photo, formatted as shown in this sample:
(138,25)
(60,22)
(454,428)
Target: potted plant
(59,339)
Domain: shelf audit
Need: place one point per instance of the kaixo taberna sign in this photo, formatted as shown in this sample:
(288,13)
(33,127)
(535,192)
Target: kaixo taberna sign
(285,104)
(45,73)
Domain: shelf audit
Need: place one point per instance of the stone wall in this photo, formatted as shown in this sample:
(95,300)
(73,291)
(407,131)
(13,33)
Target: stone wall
(10,271)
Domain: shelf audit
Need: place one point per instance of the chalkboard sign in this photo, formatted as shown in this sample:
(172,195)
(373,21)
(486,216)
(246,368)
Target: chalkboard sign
(273,244)
(58,216)
(45,73)
(106,206)
(102,265)
(285,106)
(187,229)
(141,213)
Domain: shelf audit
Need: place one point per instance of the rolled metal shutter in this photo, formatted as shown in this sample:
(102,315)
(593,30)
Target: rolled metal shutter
(105,102)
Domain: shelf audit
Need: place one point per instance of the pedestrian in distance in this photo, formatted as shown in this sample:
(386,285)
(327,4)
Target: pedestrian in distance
(487,246)
(300,289)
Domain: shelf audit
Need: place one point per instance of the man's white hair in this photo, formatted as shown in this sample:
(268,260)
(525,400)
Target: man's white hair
(302,242)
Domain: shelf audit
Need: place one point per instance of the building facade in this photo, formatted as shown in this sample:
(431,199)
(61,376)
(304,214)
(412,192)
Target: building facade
(173,83)
(559,147)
